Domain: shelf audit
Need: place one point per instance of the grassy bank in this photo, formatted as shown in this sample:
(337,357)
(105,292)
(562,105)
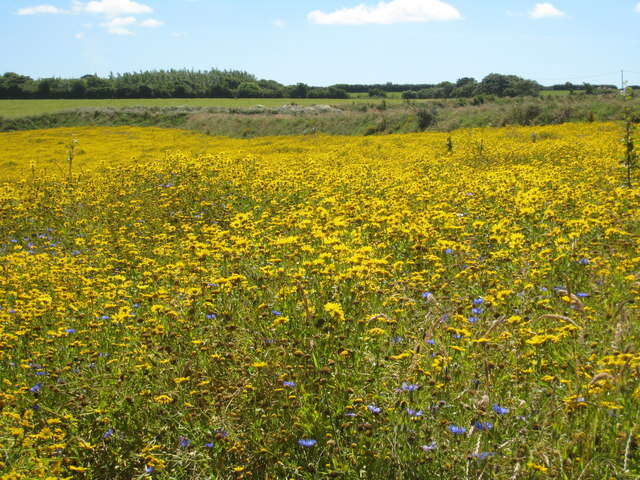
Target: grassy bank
(363,117)
(26,108)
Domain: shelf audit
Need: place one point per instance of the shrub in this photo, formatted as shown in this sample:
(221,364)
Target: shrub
(426,117)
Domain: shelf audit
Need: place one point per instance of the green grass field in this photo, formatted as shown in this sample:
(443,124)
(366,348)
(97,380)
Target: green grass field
(22,108)
(25,108)
(554,93)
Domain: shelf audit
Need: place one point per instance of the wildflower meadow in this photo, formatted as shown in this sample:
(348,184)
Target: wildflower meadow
(459,305)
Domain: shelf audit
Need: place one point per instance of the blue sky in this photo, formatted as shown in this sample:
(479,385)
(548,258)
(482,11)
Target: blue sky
(329,41)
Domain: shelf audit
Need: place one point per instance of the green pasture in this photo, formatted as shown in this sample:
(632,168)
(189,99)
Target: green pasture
(22,108)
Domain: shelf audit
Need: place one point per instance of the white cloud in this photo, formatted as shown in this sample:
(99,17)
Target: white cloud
(39,9)
(118,25)
(545,10)
(279,23)
(118,14)
(114,8)
(79,36)
(638,7)
(151,23)
(394,11)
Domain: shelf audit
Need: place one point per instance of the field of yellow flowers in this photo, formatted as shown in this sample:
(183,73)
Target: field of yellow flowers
(441,306)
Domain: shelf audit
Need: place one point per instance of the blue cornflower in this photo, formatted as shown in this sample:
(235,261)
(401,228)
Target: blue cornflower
(582,295)
(457,430)
(210,316)
(478,301)
(184,442)
(108,433)
(105,317)
(276,312)
(307,442)
(70,330)
(482,455)
(448,251)
(414,413)
(373,409)
(41,373)
(429,447)
(431,341)
(427,295)
(483,425)
(500,410)
(288,383)
(472,319)
(584,261)
(36,388)
(148,469)
(396,339)
(209,445)
(477,310)
(409,387)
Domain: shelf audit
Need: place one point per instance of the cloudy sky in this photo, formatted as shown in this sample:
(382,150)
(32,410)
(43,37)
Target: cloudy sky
(328,41)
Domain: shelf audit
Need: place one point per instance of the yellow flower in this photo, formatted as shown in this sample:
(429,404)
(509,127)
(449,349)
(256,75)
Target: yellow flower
(163,399)
(376,332)
(335,311)
(535,466)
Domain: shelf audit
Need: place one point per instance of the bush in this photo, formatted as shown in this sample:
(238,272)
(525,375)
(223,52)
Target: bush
(426,117)
(377,93)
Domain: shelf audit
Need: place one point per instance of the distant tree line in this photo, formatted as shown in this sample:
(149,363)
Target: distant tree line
(493,84)
(238,84)
(588,88)
(160,84)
